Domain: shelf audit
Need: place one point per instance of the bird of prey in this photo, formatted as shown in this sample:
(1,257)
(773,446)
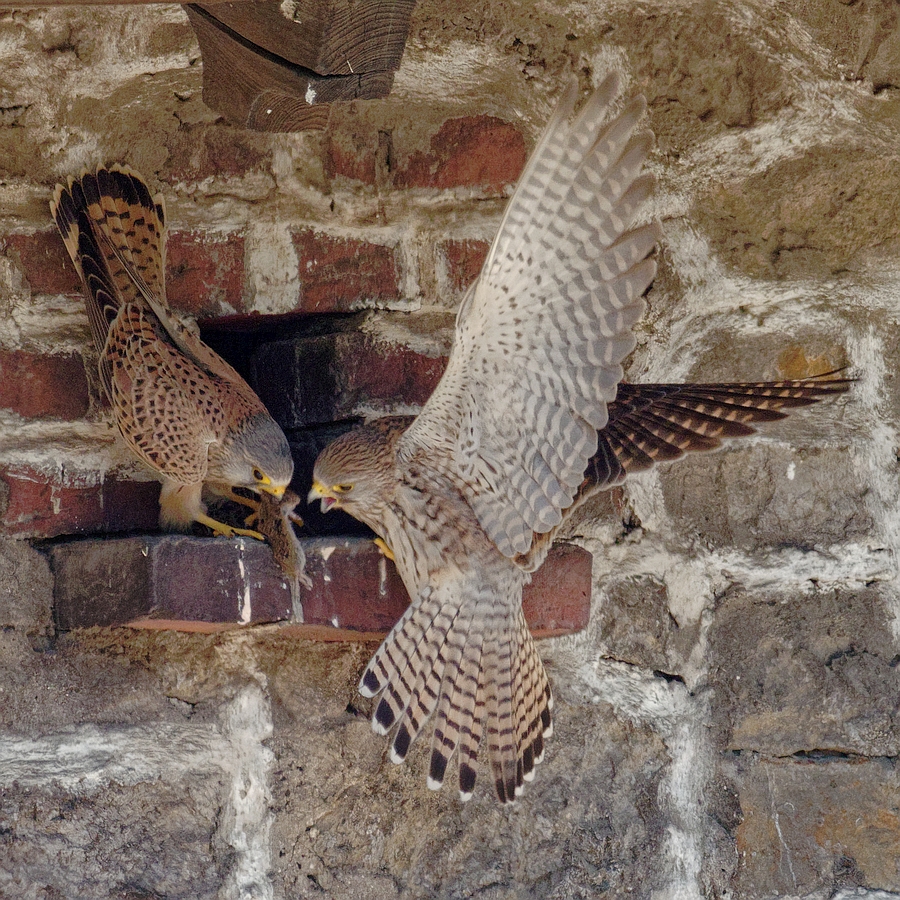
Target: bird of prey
(528,420)
(180,407)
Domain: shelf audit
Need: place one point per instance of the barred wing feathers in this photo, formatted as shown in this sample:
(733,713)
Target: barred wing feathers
(650,423)
(541,335)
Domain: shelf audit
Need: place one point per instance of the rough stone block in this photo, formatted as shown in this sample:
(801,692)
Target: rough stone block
(806,673)
(344,824)
(811,828)
(763,495)
(37,386)
(342,274)
(202,583)
(205,274)
(473,151)
(314,380)
(637,626)
(26,588)
(159,834)
(39,504)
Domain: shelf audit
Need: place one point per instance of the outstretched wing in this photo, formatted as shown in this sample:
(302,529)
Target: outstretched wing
(650,423)
(541,335)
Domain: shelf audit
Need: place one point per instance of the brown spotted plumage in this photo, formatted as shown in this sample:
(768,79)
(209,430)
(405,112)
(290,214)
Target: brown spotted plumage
(529,419)
(179,406)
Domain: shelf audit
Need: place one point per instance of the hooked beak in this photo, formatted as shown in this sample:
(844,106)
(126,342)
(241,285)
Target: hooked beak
(276,490)
(320,492)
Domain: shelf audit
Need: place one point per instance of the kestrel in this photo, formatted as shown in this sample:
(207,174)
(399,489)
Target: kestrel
(528,420)
(180,407)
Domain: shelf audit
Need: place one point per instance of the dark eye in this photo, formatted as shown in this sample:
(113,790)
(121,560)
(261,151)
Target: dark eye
(258,475)
(342,488)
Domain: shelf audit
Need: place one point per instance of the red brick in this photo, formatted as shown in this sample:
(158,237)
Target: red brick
(476,151)
(464,261)
(338,274)
(205,274)
(351,370)
(351,153)
(200,584)
(43,259)
(371,370)
(196,581)
(35,386)
(35,504)
(198,152)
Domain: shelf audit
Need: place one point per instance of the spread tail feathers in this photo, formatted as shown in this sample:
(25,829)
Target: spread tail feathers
(475,668)
(114,231)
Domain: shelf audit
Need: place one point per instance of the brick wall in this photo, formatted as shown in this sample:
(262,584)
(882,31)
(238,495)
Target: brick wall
(727,723)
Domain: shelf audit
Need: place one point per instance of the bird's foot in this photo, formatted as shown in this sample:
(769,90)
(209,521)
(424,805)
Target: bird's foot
(381,544)
(220,529)
(252,502)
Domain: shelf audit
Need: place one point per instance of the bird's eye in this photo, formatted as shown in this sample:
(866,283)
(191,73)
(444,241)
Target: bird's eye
(260,476)
(342,488)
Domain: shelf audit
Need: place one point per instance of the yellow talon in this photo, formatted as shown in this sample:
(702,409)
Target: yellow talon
(220,529)
(385,550)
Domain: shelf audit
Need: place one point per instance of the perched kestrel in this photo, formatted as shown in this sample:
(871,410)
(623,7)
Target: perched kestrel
(528,421)
(180,407)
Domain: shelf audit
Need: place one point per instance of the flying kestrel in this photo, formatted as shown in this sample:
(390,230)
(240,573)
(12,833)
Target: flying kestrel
(180,407)
(528,421)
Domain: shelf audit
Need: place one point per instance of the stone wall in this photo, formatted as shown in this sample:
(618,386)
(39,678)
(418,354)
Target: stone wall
(727,726)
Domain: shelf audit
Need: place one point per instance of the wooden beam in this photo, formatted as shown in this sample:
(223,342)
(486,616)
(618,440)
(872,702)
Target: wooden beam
(258,89)
(330,37)
(23,4)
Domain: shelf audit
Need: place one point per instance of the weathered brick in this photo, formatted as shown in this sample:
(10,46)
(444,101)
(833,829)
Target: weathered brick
(201,584)
(43,259)
(352,152)
(201,151)
(205,274)
(167,577)
(314,380)
(35,386)
(340,274)
(474,151)
(35,504)
(464,260)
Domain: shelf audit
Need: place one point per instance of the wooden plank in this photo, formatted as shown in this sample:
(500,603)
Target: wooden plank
(330,37)
(256,89)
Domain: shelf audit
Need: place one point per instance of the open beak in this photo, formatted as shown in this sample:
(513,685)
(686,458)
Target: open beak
(320,492)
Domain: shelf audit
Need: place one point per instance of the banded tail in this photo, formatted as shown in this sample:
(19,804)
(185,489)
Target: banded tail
(473,666)
(115,233)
